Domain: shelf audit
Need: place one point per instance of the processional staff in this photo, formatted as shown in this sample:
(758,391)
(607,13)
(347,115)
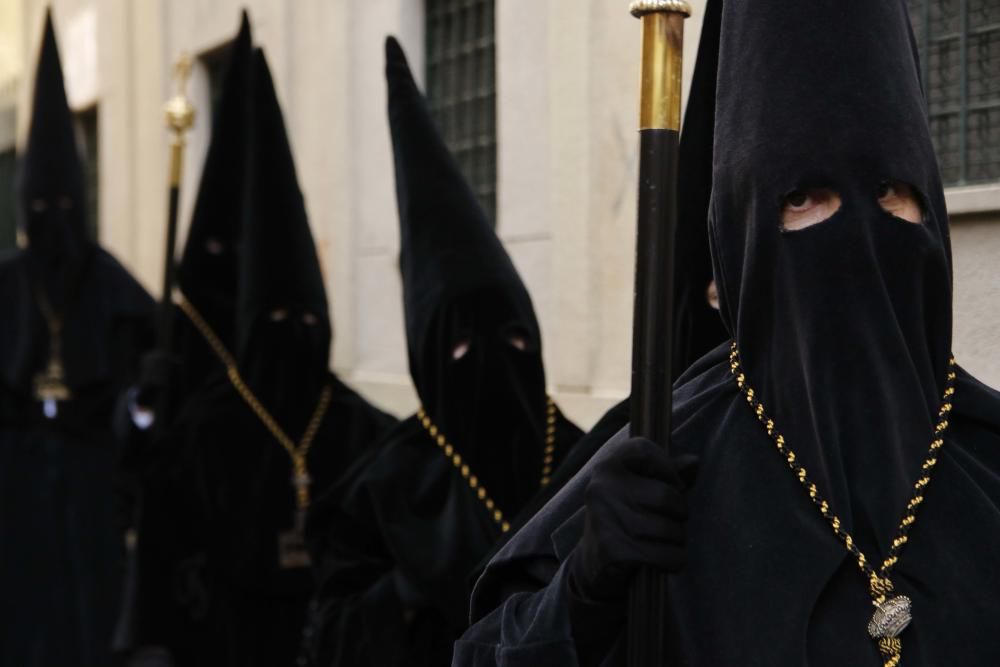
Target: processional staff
(180,118)
(179,114)
(659,134)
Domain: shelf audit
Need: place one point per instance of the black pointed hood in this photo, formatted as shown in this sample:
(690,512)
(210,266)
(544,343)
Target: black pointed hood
(845,325)
(447,246)
(50,181)
(208,270)
(283,327)
(697,325)
(473,340)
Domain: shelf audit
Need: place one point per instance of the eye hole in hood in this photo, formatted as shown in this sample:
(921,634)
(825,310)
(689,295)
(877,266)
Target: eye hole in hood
(902,201)
(806,207)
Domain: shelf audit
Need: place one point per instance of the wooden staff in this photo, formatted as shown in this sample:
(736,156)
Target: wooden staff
(659,134)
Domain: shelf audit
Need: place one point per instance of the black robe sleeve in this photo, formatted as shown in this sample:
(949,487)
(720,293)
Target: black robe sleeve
(518,606)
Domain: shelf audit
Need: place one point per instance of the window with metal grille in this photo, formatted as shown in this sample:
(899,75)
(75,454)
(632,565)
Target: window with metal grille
(959,42)
(86,138)
(462,89)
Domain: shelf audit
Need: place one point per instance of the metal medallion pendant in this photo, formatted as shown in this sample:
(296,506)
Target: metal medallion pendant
(890,618)
(292,552)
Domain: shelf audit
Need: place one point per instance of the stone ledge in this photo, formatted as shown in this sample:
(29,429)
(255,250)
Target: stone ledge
(973,199)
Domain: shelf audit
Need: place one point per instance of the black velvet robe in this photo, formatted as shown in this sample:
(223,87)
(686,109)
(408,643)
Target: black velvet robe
(212,589)
(766,581)
(398,553)
(61,515)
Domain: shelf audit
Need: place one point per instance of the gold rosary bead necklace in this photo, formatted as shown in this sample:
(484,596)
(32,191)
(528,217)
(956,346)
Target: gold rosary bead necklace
(892,612)
(448,449)
(292,553)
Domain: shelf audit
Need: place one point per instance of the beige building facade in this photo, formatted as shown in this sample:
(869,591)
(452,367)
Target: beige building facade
(566,164)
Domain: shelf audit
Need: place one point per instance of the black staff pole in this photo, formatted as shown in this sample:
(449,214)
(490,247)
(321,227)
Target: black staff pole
(180,118)
(659,133)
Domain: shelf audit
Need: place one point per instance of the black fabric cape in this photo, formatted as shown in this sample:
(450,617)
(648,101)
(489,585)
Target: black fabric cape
(61,522)
(397,555)
(397,551)
(766,583)
(844,329)
(213,593)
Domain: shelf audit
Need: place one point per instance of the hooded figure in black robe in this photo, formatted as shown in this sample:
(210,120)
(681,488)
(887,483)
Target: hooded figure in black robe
(75,324)
(224,582)
(843,330)
(396,557)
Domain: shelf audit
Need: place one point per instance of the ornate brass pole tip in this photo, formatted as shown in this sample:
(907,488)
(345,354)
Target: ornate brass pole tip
(179,110)
(639,8)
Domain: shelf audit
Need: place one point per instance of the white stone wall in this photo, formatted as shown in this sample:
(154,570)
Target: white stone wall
(567,95)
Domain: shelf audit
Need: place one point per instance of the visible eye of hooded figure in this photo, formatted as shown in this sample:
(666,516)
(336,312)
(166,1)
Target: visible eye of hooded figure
(74,326)
(396,558)
(832,261)
(225,573)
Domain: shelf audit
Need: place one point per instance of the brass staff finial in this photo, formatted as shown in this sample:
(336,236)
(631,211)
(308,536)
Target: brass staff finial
(180,116)
(179,110)
(662,48)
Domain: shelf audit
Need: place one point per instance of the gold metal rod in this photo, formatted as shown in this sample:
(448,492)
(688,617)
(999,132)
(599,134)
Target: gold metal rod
(662,46)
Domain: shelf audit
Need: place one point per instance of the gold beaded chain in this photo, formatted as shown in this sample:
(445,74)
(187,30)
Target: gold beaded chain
(548,456)
(892,614)
(297,453)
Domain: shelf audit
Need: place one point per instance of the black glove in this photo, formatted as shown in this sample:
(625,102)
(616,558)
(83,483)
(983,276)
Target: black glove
(635,511)
(154,376)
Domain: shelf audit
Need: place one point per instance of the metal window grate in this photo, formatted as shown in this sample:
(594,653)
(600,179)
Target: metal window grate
(959,42)
(462,90)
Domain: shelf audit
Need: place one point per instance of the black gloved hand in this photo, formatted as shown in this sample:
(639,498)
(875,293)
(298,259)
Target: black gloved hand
(154,376)
(635,512)
(635,516)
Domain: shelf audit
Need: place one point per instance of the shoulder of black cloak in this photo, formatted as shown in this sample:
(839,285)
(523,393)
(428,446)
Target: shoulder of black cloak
(373,422)
(279,265)
(697,326)
(125,295)
(447,245)
(110,297)
(977,403)
(531,556)
(220,193)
